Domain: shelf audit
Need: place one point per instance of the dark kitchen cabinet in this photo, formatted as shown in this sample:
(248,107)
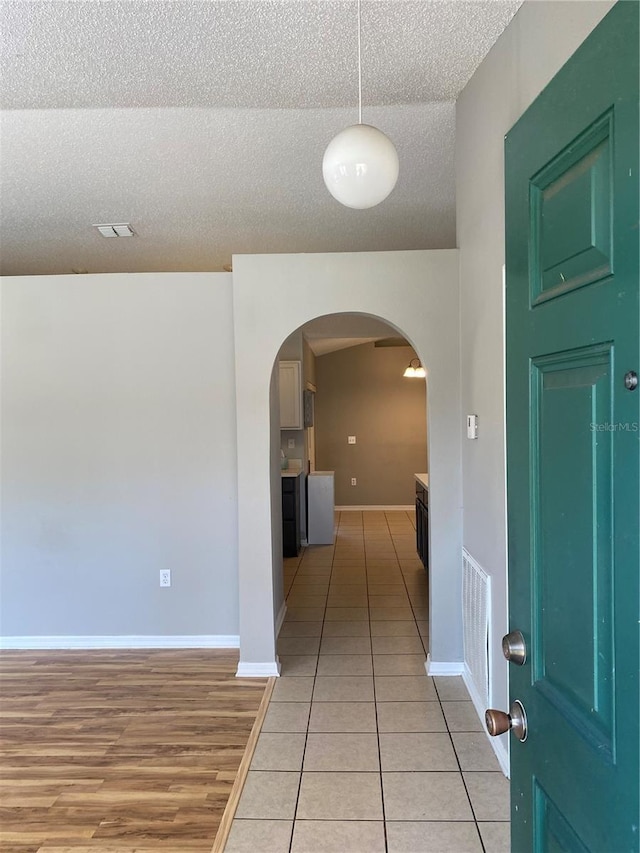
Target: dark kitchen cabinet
(422,523)
(290,515)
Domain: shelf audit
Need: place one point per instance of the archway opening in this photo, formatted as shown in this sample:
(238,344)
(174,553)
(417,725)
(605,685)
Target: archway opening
(351,439)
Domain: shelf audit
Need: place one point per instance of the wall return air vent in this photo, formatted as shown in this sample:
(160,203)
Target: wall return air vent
(115,230)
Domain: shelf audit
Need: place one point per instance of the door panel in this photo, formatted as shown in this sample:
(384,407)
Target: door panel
(573,448)
(568,391)
(570,203)
(554,834)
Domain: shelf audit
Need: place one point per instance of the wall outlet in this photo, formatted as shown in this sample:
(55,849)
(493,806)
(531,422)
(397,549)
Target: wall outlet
(291,443)
(351,439)
(165,577)
(354,481)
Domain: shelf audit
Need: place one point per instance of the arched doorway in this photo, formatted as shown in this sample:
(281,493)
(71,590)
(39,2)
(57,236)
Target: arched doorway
(349,552)
(416,293)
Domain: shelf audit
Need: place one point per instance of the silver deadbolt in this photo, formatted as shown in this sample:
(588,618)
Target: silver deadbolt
(498,722)
(514,647)
(631,380)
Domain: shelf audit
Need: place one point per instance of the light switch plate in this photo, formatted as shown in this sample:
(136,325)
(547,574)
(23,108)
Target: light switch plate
(472,426)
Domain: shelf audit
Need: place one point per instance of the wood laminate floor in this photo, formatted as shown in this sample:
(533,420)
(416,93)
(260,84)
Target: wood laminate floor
(119,750)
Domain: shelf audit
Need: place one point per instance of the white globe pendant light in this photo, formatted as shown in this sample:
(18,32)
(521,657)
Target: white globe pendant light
(360,166)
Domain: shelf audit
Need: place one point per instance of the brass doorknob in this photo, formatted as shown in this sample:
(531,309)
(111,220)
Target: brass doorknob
(499,722)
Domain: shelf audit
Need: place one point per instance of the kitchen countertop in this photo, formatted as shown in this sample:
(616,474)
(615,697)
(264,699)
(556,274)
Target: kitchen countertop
(286,472)
(423,479)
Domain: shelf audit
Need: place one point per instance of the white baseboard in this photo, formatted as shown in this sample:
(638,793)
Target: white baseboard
(134,641)
(500,745)
(265,669)
(280,619)
(407,508)
(435,667)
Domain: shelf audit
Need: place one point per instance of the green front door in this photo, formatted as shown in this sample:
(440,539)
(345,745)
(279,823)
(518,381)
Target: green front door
(573,440)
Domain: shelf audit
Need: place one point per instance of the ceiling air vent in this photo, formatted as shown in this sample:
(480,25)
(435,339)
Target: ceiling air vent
(115,230)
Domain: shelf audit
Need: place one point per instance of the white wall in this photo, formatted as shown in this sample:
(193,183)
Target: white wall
(118,455)
(416,292)
(539,40)
(275,480)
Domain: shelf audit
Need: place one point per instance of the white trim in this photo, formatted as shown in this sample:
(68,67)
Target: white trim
(280,619)
(498,744)
(501,750)
(135,641)
(439,667)
(265,669)
(505,614)
(385,508)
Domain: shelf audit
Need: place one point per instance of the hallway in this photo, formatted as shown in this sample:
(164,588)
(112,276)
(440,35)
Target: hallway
(360,751)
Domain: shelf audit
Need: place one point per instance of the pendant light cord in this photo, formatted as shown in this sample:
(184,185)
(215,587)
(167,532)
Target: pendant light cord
(359,71)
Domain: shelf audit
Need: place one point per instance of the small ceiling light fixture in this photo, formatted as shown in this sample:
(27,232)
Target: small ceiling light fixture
(360,166)
(415,370)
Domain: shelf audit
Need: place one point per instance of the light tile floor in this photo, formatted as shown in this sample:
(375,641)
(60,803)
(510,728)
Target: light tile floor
(360,751)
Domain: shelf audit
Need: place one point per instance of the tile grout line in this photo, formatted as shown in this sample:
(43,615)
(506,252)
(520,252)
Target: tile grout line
(313,687)
(464,782)
(375,704)
(404,581)
(446,722)
(287,593)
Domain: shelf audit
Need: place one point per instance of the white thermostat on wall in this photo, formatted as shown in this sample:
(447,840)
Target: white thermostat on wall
(472,426)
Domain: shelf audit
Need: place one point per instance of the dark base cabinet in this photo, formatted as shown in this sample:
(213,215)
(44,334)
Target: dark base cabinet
(422,524)
(290,516)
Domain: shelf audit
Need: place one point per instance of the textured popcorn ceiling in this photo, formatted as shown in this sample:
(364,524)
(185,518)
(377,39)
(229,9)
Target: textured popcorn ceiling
(204,124)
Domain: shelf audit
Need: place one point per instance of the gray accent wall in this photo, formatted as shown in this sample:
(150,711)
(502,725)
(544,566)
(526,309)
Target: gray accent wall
(118,455)
(533,48)
(362,392)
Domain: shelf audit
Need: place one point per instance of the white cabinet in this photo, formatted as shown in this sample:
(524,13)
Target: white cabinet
(290,395)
